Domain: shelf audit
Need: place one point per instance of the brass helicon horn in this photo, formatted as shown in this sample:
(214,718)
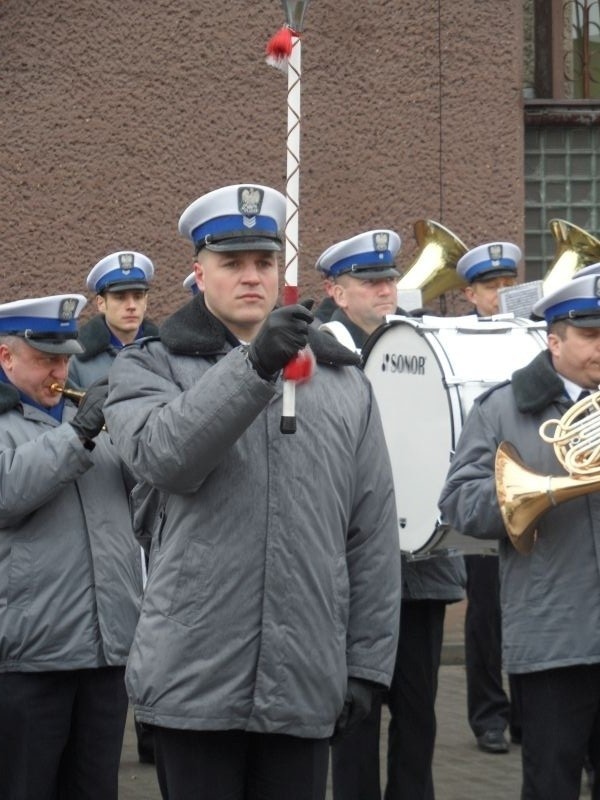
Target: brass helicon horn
(575,249)
(433,271)
(524,495)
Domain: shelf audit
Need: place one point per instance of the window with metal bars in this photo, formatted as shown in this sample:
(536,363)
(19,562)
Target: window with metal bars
(562,126)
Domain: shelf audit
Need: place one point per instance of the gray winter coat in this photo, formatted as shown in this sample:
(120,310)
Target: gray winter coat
(99,352)
(70,569)
(275,571)
(551,598)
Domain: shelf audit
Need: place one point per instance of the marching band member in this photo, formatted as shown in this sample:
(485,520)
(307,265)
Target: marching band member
(272,602)
(362,270)
(551,597)
(121,282)
(70,571)
(362,277)
(486,269)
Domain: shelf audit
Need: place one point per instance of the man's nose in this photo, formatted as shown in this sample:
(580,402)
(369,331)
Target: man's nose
(250,274)
(60,368)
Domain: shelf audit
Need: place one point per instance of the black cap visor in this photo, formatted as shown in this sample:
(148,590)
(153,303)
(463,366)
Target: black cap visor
(124,286)
(247,243)
(53,345)
(371,273)
(494,273)
(589,321)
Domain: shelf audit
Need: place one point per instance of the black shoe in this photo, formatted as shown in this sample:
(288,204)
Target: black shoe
(493,742)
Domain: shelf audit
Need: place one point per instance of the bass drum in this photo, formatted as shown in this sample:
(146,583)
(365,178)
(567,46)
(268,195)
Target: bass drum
(426,373)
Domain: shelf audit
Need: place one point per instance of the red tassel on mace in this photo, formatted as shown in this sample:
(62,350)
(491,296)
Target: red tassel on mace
(301,366)
(279,47)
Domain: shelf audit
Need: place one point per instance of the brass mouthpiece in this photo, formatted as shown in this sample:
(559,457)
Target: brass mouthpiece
(71,394)
(76,395)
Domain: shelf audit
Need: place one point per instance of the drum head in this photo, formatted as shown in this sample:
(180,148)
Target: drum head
(418,422)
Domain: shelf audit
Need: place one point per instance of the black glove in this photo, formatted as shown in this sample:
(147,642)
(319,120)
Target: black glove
(89,419)
(283,334)
(357,705)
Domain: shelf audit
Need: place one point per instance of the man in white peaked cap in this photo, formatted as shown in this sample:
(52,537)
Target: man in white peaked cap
(551,596)
(271,610)
(71,572)
(121,282)
(491,710)
(364,275)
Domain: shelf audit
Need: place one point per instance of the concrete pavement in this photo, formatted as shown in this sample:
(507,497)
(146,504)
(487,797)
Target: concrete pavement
(461,771)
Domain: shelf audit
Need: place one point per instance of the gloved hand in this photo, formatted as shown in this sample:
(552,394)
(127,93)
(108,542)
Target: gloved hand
(308,303)
(89,419)
(357,705)
(283,334)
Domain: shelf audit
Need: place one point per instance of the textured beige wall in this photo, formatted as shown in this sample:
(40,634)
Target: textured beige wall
(115,116)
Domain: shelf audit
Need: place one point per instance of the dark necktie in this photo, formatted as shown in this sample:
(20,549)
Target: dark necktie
(583,394)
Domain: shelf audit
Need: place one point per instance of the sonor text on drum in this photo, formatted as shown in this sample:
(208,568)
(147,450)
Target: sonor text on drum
(398,362)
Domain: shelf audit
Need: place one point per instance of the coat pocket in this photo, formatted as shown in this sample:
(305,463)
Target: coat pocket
(341,594)
(19,577)
(191,586)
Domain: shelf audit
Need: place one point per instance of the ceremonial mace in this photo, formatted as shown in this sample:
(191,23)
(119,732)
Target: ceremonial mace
(284,52)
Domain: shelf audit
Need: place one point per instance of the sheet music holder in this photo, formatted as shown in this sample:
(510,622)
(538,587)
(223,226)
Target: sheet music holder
(519,299)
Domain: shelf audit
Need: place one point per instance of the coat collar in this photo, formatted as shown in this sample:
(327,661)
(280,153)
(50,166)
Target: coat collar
(358,334)
(9,397)
(94,336)
(193,331)
(537,385)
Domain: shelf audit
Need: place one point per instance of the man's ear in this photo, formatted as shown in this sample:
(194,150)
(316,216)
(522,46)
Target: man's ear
(553,344)
(5,357)
(100,303)
(199,272)
(469,293)
(339,295)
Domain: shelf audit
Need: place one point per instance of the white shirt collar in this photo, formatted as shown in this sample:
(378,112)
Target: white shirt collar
(572,389)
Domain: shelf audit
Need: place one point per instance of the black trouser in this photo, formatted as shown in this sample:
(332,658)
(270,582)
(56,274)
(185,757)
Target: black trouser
(488,706)
(61,734)
(411,736)
(560,726)
(235,765)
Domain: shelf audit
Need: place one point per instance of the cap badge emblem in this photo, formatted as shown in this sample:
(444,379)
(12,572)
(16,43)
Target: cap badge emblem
(250,200)
(66,309)
(495,251)
(381,241)
(126,262)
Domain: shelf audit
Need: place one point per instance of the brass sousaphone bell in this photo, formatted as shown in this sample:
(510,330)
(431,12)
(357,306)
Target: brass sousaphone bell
(524,495)
(433,271)
(575,249)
